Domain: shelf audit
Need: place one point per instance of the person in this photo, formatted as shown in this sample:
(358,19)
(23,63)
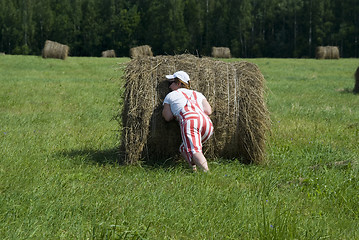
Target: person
(192,110)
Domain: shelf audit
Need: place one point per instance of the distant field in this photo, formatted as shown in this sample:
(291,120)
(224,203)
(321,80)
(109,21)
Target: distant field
(59,178)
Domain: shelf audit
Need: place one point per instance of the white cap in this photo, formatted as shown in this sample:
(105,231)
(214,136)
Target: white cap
(181,75)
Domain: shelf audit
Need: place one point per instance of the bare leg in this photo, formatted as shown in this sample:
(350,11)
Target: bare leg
(201,161)
(193,166)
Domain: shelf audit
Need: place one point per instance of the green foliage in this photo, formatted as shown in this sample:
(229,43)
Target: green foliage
(193,16)
(164,27)
(269,28)
(60,177)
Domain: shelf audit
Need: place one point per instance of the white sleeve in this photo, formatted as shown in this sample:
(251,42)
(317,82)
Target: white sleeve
(168,99)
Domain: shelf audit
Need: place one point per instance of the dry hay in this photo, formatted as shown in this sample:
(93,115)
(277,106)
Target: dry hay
(109,53)
(356,86)
(221,52)
(141,51)
(327,52)
(2,53)
(235,91)
(55,50)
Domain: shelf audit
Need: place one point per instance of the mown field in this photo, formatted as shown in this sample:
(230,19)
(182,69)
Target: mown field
(59,178)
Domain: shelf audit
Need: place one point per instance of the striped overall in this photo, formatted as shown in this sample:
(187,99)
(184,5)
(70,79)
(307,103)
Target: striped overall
(196,127)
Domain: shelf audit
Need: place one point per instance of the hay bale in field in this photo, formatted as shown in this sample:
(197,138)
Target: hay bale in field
(320,52)
(221,52)
(356,86)
(2,53)
(55,50)
(335,52)
(141,51)
(327,52)
(235,91)
(109,53)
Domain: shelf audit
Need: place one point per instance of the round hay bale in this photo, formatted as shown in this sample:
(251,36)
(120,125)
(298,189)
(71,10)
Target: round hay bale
(109,53)
(327,52)
(320,52)
(55,50)
(356,86)
(235,91)
(141,51)
(334,52)
(221,52)
(2,53)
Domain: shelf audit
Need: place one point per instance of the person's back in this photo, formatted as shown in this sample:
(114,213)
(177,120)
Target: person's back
(191,109)
(178,99)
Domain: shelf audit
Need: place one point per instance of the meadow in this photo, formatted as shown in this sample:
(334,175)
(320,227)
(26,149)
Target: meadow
(60,177)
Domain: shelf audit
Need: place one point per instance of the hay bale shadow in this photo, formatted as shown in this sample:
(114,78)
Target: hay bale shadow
(114,157)
(94,156)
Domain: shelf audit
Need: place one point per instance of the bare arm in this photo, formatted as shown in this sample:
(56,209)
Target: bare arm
(206,107)
(167,113)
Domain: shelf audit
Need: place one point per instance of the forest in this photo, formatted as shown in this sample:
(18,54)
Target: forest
(250,28)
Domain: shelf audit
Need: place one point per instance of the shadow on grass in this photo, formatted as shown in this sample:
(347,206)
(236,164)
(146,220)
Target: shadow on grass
(114,157)
(94,156)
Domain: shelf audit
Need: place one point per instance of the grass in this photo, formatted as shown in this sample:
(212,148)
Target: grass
(59,178)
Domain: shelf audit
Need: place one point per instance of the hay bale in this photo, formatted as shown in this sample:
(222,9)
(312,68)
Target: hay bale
(334,52)
(221,52)
(235,91)
(141,51)
(2,53)
(55,50)
(109,53)
(327,52)
(356,86)
(320,52)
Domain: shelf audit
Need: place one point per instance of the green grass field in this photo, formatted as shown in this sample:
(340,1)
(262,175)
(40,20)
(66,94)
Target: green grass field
(59,178)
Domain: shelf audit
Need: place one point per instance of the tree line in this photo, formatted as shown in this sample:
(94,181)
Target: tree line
(250,28)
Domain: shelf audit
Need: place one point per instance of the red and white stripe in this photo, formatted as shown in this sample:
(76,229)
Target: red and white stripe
(196,127)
